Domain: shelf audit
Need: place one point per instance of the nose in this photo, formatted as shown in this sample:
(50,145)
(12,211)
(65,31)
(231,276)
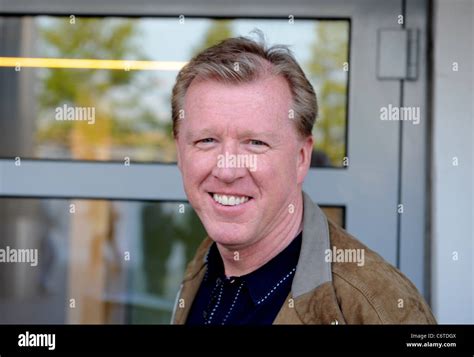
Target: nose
(227,168)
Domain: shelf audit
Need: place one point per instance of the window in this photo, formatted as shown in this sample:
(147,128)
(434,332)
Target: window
(124,113)
(97,261)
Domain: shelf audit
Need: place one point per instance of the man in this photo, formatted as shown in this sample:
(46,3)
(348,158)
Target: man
(242,120)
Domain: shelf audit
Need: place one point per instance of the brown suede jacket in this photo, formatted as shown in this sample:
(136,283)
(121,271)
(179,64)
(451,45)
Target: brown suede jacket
(328,292)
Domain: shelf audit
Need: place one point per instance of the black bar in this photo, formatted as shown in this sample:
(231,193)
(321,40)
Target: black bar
(160,338)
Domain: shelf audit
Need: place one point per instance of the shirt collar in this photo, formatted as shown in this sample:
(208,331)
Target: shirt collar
(262,280)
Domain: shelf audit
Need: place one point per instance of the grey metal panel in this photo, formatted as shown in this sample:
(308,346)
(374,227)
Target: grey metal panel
(413,52)
(36,178)
(371,187)
(51,178)
(414,250)
(397,54)
(1,180)
(186,7)
(392,56)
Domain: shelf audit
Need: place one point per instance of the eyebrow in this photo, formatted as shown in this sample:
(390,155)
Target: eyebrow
(251,133)
(244,134)
(191,135)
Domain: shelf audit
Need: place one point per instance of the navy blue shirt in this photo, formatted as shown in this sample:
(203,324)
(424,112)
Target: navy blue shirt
(254,298)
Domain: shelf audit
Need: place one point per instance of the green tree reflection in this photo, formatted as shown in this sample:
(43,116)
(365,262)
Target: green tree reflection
(121,119)
(326,70)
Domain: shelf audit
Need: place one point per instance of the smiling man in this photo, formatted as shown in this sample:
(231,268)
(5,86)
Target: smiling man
(265,259)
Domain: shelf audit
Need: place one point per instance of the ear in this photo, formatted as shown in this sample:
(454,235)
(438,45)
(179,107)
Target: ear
(304,158)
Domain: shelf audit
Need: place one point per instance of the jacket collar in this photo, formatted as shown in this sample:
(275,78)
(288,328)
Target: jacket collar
(313,270)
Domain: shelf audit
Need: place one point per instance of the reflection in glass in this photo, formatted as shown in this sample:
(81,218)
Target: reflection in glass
(131,108)
(99,261)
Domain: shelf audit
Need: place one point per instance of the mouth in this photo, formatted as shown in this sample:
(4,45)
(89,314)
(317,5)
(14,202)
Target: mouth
(229,200)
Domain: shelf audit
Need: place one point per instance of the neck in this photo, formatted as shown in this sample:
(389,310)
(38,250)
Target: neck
(257,254)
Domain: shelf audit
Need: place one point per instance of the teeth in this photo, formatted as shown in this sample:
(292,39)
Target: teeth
(229,200)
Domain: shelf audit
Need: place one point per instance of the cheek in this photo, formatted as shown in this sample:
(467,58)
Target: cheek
(197,166)
(273,174)
(280,166)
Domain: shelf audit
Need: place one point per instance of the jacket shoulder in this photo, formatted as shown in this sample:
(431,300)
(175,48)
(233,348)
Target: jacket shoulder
(369,290)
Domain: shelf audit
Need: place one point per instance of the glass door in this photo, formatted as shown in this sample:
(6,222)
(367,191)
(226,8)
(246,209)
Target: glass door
(101,198)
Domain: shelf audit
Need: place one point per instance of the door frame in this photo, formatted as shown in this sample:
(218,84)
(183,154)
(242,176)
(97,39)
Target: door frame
(387,161)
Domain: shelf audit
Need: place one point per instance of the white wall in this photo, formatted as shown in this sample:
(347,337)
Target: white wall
(453,191)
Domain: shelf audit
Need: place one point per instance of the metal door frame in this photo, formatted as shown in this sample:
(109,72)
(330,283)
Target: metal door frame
(384,158)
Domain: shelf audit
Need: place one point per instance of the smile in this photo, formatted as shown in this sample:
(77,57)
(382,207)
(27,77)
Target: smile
(229,200)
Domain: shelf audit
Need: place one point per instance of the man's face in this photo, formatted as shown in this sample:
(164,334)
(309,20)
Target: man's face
(249,124)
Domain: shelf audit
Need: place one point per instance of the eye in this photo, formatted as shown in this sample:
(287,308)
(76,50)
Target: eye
(206,141)
(257,142)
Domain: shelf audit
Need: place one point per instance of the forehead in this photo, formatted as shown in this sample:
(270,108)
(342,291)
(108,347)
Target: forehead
(263,102)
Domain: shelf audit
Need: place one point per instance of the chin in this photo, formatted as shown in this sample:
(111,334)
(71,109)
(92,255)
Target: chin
(228,237)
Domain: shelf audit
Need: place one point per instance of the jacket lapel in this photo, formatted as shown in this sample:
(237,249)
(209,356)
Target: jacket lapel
(192,281)
(312,299)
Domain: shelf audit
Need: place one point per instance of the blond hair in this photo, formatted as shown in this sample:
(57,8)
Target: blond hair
(239,60)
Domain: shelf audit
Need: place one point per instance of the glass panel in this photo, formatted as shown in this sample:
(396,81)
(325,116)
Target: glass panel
(109,114)
(94,261)
(335,214)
